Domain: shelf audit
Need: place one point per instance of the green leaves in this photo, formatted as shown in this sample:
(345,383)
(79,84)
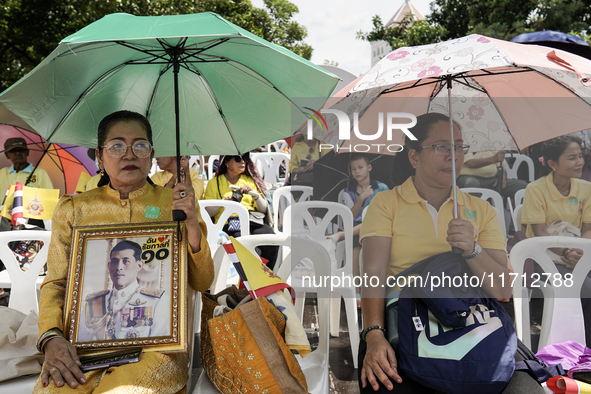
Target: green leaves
(494,18)
(31,29)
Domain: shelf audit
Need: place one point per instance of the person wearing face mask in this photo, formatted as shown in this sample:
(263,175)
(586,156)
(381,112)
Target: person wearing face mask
(125,195)
(21,170)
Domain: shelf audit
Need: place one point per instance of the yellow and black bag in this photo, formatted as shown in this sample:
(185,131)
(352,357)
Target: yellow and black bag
(243,350)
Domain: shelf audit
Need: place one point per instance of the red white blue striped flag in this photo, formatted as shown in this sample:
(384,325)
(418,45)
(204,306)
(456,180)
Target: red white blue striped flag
(17,205)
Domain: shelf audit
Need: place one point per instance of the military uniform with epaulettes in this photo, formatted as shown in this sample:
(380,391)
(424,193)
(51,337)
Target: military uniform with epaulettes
(132,312)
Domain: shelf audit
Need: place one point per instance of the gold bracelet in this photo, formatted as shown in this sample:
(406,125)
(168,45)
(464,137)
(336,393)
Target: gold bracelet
(46,336)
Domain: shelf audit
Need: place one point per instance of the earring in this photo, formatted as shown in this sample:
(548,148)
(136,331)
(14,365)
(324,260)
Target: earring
(102,172)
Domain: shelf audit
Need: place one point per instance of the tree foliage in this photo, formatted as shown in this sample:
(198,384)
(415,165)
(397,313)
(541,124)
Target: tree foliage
(31,29)
(494,18)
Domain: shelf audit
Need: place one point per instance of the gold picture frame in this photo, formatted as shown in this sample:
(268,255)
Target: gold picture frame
(115,300)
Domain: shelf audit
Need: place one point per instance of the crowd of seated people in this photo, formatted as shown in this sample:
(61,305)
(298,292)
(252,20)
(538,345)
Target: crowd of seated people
(394,231)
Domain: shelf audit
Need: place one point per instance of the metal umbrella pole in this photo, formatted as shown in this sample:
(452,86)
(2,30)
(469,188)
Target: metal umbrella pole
(177,214)
(454,249)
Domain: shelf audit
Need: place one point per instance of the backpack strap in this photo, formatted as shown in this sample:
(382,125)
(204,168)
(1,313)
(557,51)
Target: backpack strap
(531,364)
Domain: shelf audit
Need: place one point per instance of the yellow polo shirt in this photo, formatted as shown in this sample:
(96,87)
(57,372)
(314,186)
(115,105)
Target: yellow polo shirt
(418,231)
(162,177)
(543,203)
(9,176)
(211,193)
(301,151)
(487,171)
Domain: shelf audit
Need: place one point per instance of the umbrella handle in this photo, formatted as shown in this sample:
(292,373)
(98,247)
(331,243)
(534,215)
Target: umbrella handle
(178,215)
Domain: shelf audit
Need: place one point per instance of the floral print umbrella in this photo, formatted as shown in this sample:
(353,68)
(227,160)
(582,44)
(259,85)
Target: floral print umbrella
(503,95)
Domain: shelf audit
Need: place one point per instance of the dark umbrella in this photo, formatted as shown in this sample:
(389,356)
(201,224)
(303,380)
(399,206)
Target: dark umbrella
(556,39)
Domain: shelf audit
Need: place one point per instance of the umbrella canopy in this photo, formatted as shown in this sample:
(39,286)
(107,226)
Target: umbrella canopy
(503,95)
(332,173)
(63,163)
(556,39)
(222,89)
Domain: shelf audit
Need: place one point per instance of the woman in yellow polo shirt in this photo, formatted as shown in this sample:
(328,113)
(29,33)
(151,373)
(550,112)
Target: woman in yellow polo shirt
(562,196)
(414,221)
(240,174)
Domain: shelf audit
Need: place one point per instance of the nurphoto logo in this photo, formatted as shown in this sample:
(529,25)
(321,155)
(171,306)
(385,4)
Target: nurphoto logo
(344,129)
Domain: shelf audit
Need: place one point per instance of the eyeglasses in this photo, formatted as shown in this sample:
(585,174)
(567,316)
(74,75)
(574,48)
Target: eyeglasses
(117,148)
(445,149)
(245,157)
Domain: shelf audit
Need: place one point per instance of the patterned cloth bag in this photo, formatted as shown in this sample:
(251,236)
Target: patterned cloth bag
(242,346)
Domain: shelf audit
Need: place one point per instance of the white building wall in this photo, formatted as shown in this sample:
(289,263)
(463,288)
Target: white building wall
(379,49)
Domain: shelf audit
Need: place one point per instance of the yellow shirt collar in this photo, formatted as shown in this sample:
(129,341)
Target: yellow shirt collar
(555,194)
(134,194)
(409,193)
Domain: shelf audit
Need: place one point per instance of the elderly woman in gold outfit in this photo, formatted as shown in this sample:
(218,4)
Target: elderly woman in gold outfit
(125,156)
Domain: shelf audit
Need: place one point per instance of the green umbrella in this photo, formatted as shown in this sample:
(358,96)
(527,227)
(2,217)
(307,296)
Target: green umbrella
(222,89)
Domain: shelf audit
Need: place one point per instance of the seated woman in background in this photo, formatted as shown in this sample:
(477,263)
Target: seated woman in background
(167,178)
(561,196)
(414,221)
(240,174)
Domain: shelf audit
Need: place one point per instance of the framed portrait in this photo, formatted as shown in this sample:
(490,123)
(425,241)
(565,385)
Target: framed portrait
(127,287)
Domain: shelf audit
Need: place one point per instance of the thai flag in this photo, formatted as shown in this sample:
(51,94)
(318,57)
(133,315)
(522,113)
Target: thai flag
(229,248)
(17,205)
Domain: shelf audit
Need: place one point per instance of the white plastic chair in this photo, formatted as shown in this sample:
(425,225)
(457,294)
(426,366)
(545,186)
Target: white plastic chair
(283,197)
(562,318)
(23,295)
(214,229)
(494,198)
(315,364)
(23,284)
(299,220)
(518,213)
(519,196)
(279,146)
(269,164)
(197,165)
(519,159)
(210,161)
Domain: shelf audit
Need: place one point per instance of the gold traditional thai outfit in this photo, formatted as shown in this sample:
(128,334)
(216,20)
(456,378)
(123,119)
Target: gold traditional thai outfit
(156,372)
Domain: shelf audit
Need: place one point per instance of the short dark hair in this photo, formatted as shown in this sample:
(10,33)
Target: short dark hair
(125,245)
(359,156)
(554,148)
(121,116)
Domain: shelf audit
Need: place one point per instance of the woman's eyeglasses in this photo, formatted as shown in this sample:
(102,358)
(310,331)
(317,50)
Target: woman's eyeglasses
(445,149)
(239,159)
(118,148)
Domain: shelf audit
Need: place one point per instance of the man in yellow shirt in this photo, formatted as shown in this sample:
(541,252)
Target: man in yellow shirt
(21,170)
(480,170)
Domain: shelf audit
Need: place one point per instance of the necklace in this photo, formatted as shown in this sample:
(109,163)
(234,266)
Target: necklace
(111,314)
